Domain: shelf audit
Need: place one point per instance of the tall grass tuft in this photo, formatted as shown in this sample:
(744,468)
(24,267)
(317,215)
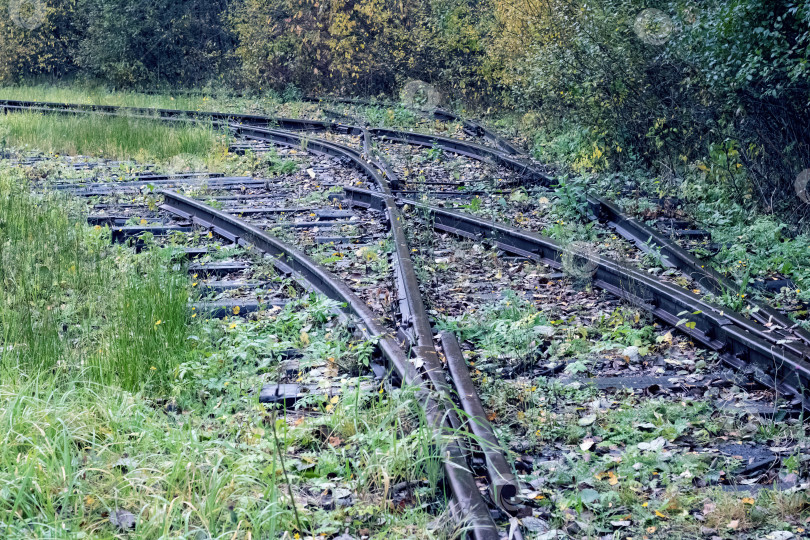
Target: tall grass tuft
(97,95)
(95,340)
(73,302)
(111,137)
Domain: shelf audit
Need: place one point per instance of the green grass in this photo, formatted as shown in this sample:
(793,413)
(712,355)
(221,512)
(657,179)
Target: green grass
(112,137)
(97,95)
(608,469)
(117,405)
(72,302)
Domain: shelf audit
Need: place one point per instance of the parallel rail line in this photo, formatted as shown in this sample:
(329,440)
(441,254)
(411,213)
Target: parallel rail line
(770,348)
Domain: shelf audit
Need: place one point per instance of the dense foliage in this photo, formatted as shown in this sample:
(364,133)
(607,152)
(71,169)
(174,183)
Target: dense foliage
(716,88)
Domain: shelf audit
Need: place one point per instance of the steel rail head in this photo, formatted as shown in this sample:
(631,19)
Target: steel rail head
(503,484)
(677,257)
(175,114)
(719,329)
(417,316)
(458,475)
(475,151)
(470,126)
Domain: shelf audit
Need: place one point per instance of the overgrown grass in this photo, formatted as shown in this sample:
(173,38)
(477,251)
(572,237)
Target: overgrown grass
(509,330)
(112,137)
(121,415)
(72,302)
(97,95)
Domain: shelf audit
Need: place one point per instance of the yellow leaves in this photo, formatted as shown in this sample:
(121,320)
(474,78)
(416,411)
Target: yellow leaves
(332,402)
(665,339)
(610,476)
(304,338)
(703,167)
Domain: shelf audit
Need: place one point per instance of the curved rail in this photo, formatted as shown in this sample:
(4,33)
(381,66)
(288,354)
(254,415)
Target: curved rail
(743,344)
(470,126)
(777,357)
(629,228)
(294,262)
(414,315)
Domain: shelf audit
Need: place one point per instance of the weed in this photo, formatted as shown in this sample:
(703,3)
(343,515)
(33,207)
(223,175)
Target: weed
(511,330)
(112,137)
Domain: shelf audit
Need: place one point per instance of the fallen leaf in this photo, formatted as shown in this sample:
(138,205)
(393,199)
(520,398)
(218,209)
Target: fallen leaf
(781,535)
(589,495)
(123,519)
(587,420)
(654,445)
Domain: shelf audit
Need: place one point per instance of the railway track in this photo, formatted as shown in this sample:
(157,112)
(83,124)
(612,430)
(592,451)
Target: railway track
(368,208)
